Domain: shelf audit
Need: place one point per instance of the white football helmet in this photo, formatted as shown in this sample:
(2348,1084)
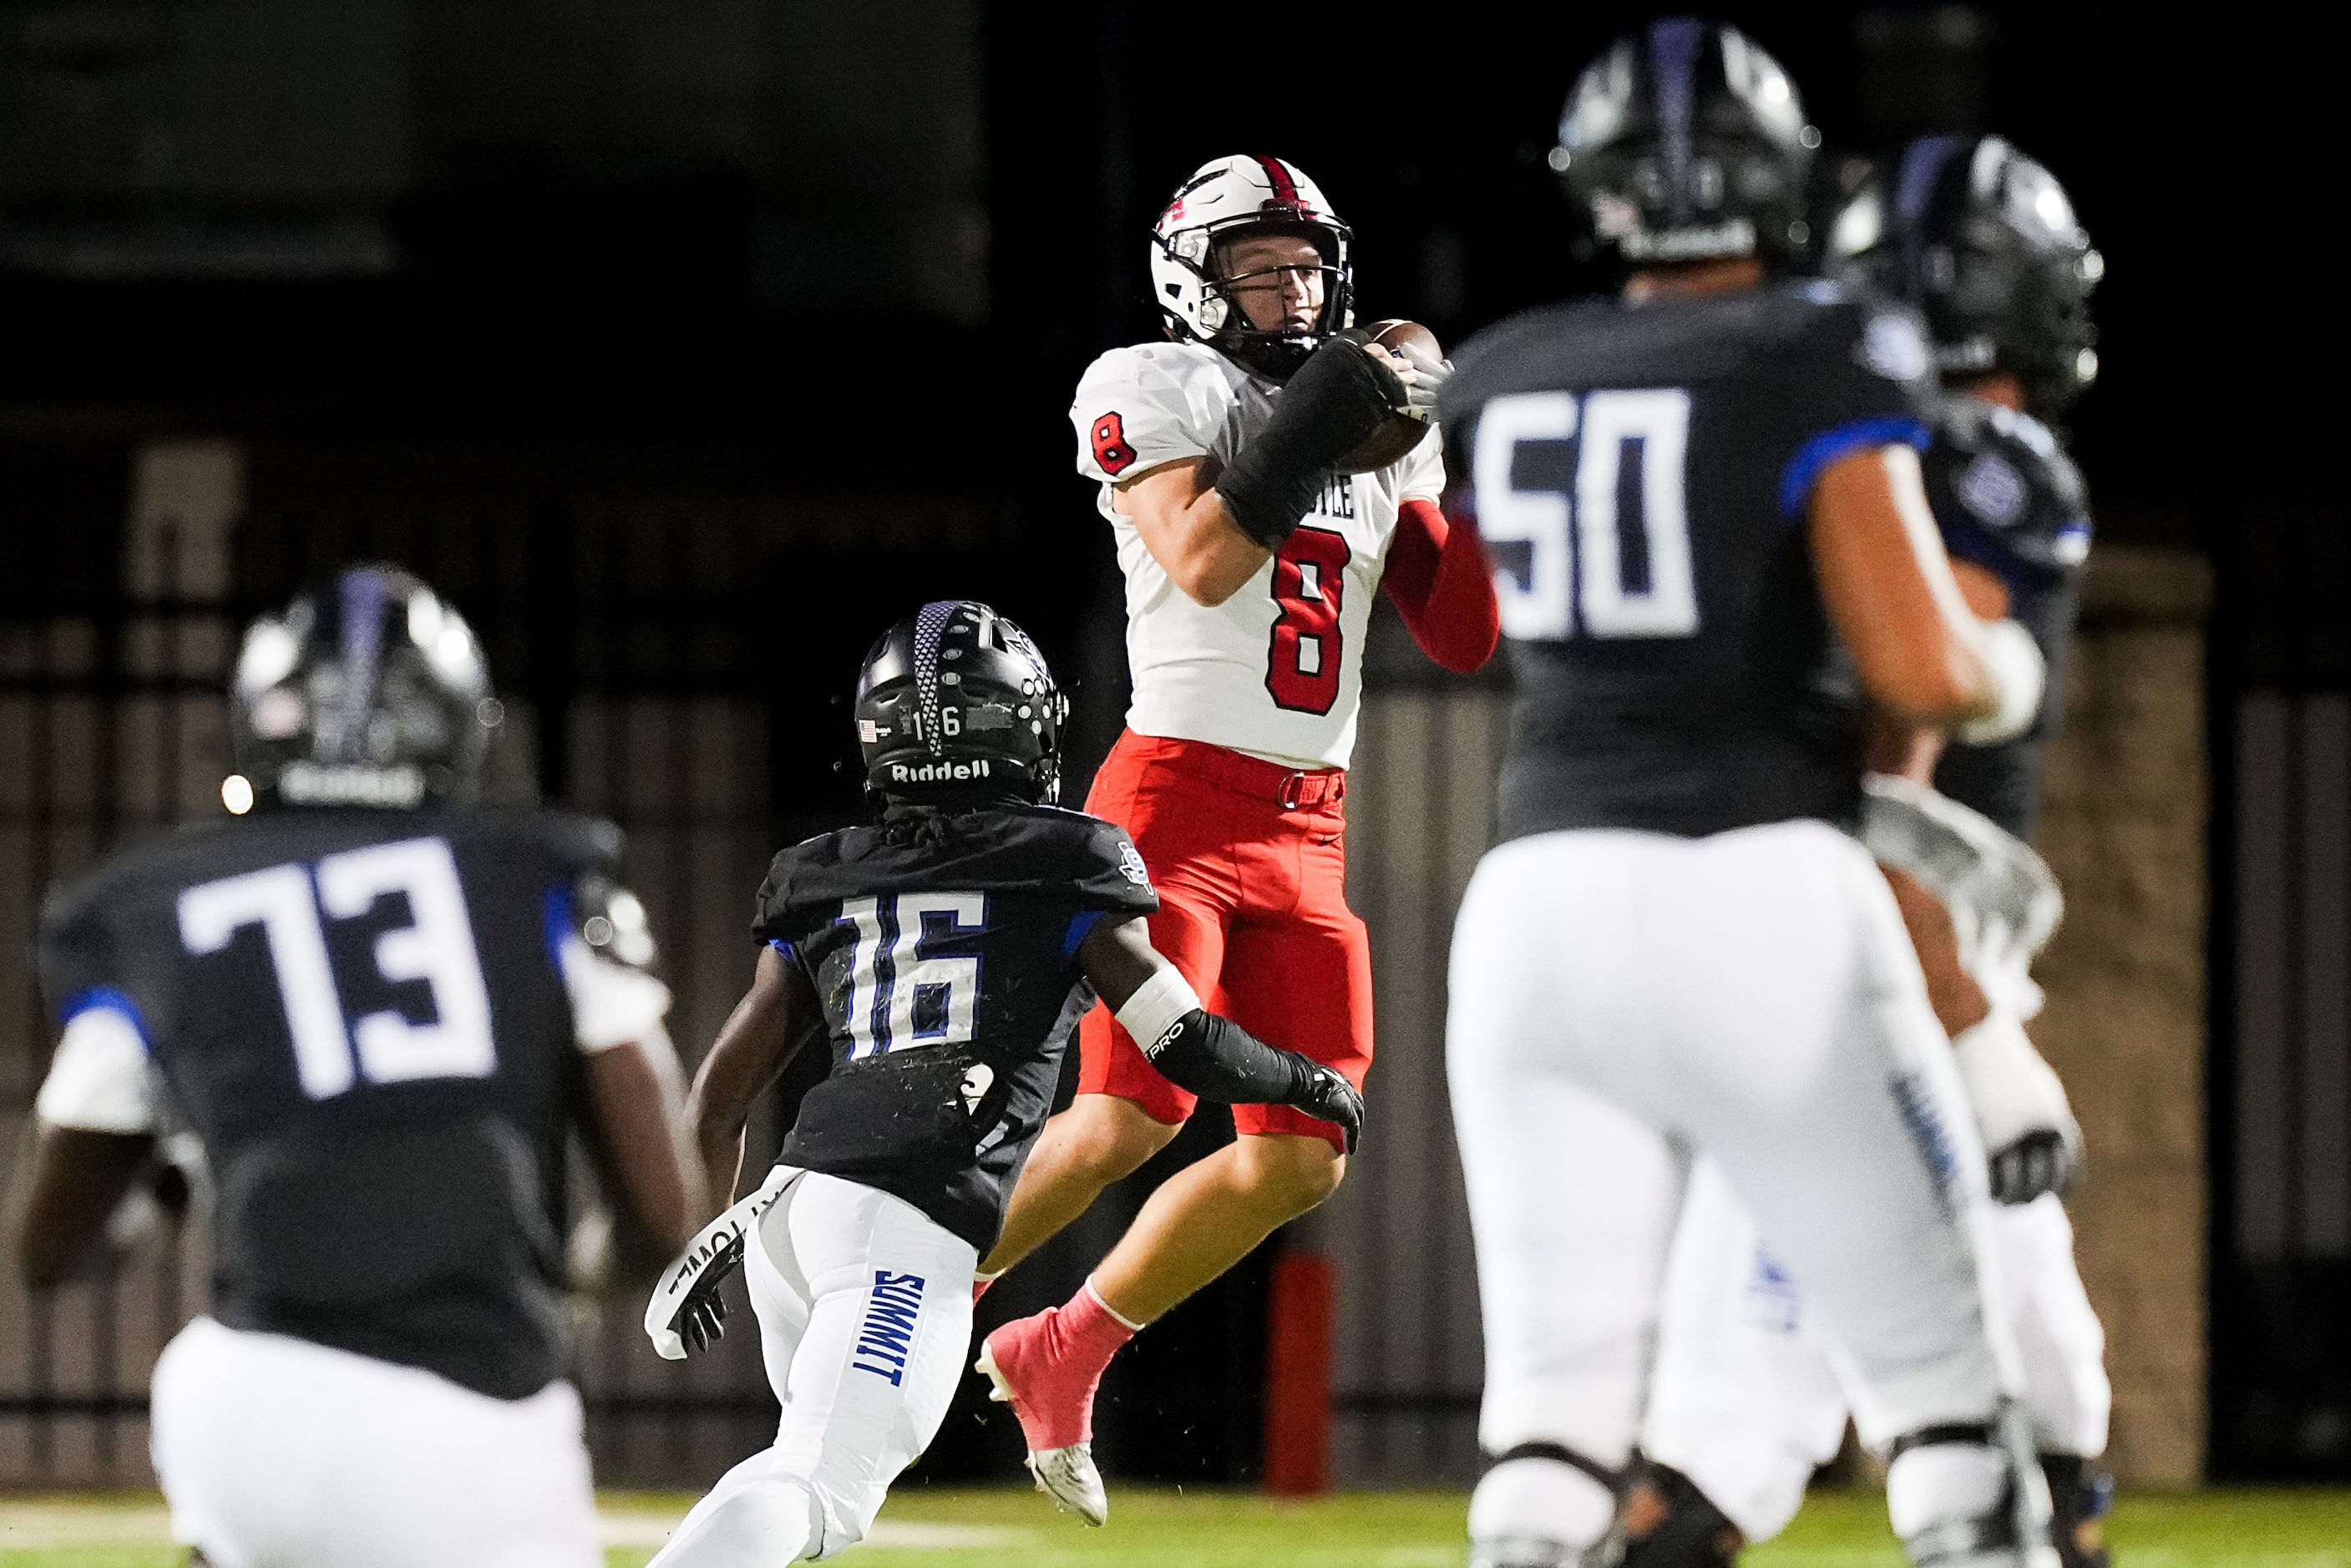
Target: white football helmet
(1222,200)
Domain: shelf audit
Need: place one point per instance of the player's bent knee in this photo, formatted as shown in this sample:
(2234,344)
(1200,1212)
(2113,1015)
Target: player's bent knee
(1293,1172)
(1115,1136)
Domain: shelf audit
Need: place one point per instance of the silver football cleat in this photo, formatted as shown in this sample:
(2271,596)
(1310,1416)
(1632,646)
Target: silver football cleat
(1068,1475)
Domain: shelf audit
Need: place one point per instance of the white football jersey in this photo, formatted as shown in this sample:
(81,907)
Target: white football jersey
(1276,670)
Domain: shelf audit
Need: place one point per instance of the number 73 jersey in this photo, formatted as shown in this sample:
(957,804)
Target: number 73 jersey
(374,1022)
(1276,670)
(1642,477)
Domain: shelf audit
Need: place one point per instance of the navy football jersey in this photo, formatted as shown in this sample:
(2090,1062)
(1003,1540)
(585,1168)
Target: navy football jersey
(1641,476)
(2008,499)
(944,948)
(362,1014)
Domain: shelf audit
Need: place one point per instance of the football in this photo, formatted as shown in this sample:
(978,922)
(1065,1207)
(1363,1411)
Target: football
(1399,435)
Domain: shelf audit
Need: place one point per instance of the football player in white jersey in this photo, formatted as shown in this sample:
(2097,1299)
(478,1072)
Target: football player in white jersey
(1251,554)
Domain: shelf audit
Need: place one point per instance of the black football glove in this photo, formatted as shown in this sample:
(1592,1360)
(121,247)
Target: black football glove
(2041,1161)
(1327,408)
(692,1304)
(1325,1093)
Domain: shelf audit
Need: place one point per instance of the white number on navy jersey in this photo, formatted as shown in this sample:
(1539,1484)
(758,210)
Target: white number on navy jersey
(883,1013)
(1569,586)
(436,947)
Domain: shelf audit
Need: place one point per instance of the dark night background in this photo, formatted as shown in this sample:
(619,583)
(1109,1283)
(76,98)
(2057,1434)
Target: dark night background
(481,283)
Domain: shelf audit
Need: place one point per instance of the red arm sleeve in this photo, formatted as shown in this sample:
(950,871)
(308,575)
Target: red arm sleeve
(1439,577)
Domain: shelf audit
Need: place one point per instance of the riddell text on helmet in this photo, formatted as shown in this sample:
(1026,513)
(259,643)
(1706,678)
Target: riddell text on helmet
(939,772)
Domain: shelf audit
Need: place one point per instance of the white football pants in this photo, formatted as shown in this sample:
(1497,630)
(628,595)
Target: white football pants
(1620,1000)
(864,1308)
(1746,1398)
(278,1453)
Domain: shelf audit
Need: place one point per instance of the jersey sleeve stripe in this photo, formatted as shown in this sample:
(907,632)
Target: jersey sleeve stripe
(1082,925)
(555,917)
(1804,470)
(113,1000)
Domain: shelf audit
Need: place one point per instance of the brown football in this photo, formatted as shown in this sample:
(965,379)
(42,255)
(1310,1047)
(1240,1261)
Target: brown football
(1398,435)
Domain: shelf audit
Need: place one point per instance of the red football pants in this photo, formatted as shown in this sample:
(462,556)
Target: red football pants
(1251,862)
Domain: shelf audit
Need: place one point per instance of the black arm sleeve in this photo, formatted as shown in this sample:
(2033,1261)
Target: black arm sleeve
(1216,1059)
(1336,399)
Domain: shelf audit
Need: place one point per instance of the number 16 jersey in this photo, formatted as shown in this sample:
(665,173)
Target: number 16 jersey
(1276,670)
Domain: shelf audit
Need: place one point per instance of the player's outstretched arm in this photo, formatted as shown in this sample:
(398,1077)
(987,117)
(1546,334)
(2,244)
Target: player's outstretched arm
(755,1045)
(72,1182)
(1887,585)
(1197,1050)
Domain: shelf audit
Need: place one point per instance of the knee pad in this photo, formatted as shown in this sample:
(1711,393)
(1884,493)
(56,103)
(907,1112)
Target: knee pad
(1543,1506)
(1971,1496)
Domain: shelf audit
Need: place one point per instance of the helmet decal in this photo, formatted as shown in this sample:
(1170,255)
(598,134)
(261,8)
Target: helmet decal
(1922,166)
(932,621)
(1285,189)
(362,592)
(1673,59)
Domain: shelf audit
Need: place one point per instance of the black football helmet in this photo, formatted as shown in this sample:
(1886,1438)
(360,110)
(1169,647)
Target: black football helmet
(1983,242)
(368,690)
(954,703)
(1687,142)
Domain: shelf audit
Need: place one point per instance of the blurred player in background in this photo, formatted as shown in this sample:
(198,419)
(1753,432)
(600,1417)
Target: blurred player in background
(1252,552)
(944,954)
(381,1009)
(1687,491)
(1984,243)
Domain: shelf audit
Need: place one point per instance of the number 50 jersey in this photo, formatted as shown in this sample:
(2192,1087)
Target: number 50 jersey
(943,948)
(1276,670)
(1641,476)
(374,1020)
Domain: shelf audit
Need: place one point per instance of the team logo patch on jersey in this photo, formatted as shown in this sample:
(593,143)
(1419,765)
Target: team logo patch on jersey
(1891,346)
(886,1338)
(1991,489)
(1130,865)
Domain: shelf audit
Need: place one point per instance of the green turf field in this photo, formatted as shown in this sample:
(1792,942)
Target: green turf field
(1152,1529)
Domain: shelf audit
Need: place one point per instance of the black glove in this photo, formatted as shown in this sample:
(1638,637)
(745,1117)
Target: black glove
(2041,1161)
(1335,399)
(1324,1092)
(700,1318)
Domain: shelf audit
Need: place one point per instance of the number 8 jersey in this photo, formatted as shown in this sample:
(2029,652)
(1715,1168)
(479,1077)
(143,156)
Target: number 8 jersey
(1642,477)
(1276,670)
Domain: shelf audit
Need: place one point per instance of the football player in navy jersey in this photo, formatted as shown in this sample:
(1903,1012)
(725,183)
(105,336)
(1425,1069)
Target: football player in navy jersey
(1692,491)
(944,954)
(381,1010)
(1984,243)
